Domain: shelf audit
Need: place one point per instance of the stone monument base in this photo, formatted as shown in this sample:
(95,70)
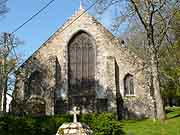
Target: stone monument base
(74,128)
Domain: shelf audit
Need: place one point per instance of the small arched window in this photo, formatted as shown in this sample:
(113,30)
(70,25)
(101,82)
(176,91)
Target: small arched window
(128,85)
(35,84)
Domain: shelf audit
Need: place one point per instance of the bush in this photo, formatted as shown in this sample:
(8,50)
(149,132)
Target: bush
(28,125)
(101,124)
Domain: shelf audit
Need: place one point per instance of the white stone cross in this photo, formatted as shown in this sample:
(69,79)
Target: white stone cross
(81,5)
(75,112)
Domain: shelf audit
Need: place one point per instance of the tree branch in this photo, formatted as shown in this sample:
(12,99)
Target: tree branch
(139,14)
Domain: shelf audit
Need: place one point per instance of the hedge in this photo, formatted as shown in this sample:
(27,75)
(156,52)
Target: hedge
(101,124)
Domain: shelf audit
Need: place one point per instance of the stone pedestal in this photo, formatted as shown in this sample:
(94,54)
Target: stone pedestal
(74,128)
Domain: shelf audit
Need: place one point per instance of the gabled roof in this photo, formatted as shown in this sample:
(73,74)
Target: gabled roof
(79,13)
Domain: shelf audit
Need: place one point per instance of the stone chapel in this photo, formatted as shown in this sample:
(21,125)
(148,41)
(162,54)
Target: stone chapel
(82,64)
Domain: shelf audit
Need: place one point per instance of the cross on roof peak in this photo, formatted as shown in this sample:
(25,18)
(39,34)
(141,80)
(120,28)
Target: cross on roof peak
(81,5)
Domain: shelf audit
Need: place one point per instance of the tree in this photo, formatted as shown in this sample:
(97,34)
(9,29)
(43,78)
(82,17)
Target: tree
(8,63)
(3,10)
(155,17)
(170,63)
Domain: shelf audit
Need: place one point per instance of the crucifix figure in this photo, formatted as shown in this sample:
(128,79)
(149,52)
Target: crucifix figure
(75,112)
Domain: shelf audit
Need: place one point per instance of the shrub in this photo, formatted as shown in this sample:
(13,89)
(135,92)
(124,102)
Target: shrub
(101,124)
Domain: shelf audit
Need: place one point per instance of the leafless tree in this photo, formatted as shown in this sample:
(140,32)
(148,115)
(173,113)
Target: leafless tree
(8,64)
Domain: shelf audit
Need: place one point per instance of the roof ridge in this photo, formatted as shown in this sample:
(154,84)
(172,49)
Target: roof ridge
(77,14)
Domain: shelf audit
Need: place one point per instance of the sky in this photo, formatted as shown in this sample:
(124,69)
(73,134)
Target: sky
(42,26)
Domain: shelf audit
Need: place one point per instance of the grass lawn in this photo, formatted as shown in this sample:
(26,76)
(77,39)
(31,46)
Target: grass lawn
(101,124)
(147,127)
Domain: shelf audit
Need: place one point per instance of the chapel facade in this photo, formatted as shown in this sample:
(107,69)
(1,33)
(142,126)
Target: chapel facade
(82,64)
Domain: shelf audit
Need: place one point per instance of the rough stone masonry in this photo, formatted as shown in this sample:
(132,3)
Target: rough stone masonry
(82,64)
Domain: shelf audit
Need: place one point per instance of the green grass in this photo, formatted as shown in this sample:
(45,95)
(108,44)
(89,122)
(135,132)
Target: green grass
(101,124)
(149,127)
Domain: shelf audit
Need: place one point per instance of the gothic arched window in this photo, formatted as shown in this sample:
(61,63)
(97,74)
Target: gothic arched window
(128,85)
(35,84)
(81,55)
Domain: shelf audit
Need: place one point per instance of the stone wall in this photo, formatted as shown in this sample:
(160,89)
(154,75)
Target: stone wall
(45,86)
(109,55)
(138,107)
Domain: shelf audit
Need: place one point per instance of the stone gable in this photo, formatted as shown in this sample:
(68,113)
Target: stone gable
(112,63)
